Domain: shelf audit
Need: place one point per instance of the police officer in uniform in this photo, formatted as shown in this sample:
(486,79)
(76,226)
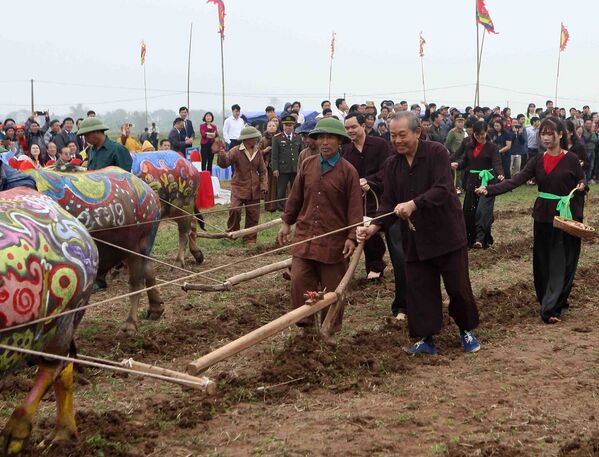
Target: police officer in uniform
(286,147)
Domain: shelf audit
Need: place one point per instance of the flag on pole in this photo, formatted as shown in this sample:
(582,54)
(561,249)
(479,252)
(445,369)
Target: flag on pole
(483,17)
(564,37)
(422,43)
(221,16)
(143,52)
(333,45)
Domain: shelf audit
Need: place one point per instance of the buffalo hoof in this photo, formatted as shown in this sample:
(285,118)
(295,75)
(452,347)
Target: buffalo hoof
(128,329)
(155,314)
(99,285)
(198,256)
(59,437)
(13,437)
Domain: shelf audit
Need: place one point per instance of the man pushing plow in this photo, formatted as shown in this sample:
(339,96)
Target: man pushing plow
(325,197)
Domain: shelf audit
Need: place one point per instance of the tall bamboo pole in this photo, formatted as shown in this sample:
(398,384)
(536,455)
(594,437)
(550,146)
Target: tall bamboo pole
(423,83)
(476,100)
(145,94)
(189,64)
(32,103)
(480,62)
(222,71)
(330,75)
(559,55)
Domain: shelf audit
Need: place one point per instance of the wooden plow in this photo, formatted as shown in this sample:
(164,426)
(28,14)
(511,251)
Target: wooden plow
(240,233)
(334,300)
(234,280)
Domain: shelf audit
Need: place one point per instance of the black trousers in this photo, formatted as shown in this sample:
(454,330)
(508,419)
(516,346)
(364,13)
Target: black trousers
(282,181)
(207,157)
(398,260)
(374,250)
(478,216)
(425,307)
(555,258)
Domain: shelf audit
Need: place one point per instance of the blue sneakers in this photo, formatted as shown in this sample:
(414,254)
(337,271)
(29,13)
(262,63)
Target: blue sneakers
(422,347)
(469,341)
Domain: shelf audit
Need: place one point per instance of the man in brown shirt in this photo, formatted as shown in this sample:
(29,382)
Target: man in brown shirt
(249,182)
(367,154)
(326,196)
(418,187)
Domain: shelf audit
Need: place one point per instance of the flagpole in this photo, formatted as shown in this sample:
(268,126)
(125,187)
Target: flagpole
(189,64)
(559,55)
(145,93)
(222,70)
(330,75)
(331,63)
(477,54)
(422,72)
(480,61)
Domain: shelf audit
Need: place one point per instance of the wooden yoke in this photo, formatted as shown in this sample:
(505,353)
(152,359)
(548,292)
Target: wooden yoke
(243,232)
(234,280)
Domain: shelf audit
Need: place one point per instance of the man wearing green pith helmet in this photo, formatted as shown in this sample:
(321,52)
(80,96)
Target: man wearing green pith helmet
(326,196)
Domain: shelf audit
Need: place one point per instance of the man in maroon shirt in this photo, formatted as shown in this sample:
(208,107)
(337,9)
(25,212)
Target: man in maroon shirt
(325,196)
(367,154)
(419,188)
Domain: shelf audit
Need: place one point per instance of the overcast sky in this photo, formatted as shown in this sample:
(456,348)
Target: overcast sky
(88,52)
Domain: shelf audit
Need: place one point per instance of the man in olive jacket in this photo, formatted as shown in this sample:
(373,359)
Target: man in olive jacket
(286,147)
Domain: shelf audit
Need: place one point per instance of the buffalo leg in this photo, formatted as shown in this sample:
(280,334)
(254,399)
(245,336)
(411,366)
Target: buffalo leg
(136,280)
(66,427)
(156,307)
(196,252)
(183,224)
(18,428)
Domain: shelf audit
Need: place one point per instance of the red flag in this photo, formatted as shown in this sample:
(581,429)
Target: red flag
(221,16)
(333,45)
(483,17)
(564,37)
(143,52)
(422,43)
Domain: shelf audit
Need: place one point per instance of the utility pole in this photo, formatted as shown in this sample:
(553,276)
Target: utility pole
(32,103)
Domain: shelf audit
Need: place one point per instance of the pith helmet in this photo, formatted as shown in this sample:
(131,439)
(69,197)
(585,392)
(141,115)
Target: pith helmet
(91,124)
(332,126)
(248,133)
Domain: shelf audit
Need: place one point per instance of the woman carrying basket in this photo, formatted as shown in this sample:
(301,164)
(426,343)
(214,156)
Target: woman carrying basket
(555,253)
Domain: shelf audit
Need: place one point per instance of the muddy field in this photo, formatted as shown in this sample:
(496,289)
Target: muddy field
(533,389)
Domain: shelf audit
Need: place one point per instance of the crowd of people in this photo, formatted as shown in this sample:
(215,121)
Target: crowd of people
(402,167)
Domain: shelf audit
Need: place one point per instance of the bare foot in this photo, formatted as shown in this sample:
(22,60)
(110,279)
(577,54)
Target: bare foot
(553,320)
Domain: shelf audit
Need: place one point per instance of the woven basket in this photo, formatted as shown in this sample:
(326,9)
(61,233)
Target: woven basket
(574,228)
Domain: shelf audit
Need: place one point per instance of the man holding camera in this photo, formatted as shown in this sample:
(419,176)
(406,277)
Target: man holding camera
(519,145)
(127,140)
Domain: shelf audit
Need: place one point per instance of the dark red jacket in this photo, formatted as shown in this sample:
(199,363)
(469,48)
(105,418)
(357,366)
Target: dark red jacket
(438,220)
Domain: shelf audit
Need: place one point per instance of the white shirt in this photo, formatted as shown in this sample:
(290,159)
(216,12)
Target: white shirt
(232,128)
(340,114)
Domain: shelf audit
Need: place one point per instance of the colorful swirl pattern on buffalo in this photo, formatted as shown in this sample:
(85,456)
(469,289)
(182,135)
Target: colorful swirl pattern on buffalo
(171,176)
(48,263)
(103,200)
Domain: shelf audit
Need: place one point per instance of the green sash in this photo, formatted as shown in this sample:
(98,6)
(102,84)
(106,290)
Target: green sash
(484,175)
(563,205)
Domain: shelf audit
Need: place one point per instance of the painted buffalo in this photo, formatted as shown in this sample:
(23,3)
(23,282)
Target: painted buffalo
(176,181)
(48,264)
(119,208)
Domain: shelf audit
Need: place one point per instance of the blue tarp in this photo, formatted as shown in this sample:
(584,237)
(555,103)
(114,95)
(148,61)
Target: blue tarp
(258,118)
